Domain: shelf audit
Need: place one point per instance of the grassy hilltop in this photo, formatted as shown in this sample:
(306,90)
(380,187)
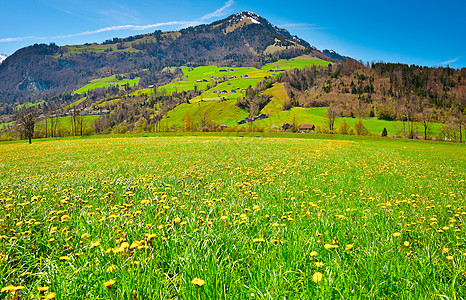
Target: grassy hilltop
(246,218)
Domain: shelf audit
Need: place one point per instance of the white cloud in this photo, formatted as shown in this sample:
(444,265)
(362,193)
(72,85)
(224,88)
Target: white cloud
(448,62)
(217,13)
(18,39)
(122,27)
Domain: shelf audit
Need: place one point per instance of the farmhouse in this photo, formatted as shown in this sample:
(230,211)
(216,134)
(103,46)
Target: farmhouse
(306,127)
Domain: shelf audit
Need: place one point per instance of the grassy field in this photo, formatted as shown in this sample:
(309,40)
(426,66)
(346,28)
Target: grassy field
(227,113)
(106,82)
(232,218)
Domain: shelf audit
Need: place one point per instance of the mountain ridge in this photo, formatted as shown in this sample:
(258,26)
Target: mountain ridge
(242,39)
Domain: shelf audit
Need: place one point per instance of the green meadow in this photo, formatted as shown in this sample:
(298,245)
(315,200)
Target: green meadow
(206,217)
(106,82)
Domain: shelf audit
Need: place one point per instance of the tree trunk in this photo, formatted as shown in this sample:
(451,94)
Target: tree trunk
(30,140)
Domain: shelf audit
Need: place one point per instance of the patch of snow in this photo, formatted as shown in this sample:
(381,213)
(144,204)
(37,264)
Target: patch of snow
(2,57)
(253,20)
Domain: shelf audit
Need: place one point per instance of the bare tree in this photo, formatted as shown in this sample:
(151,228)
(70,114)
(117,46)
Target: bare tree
(28,125)
(458,119)
(425,117)
(332,114)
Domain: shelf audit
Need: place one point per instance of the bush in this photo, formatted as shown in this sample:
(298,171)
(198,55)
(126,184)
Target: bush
(343,128)
(362,131)
(384,132)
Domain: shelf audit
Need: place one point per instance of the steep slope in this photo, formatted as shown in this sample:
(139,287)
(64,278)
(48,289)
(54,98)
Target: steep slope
(243,39)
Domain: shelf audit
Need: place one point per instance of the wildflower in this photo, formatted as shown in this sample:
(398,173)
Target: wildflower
(397,234)
(256,207)
(109,283)
(317,277)
(319,264)
(95,244)
(64,258)
(198,281)
(445,250)
(111,268)
(258,240)
(406,243)
(349,247)
(12,288)
(313,253)
(50,295)
(42,289)
(65,218)
(85,235)
(450,257)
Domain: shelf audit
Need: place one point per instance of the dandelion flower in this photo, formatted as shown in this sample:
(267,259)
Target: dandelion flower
(445,250)
(12,288)
(50,295)
(349,247)
(406,243)
(449,257)
(198,281)
(258,240)
(42,288)
(313,253)
(111,268)
(397,234)
(64,258)
(319,264)
(317,277)
(109,283)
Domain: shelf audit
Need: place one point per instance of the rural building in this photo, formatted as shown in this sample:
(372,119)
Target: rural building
(306,127)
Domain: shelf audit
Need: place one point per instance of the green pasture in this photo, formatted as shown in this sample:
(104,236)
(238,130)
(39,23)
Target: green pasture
(232,218)
(106,82)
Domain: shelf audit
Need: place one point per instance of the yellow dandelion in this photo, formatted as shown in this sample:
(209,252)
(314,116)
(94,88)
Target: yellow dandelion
(111,268)
(328,246)
(198,281)
(406,243)
(313,253)
(223,218)
(12,288)
(319,264)
(317,277)
(256,207)
(109,283)
(258,240)
(349,247)
(397,234)
(95,244)
(65,218)
(450,257)
(445,250)
(50,295)
(42,289)
(64,258)
(85,235)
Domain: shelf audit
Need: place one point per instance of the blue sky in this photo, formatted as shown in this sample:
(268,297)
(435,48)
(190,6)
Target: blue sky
(413,32)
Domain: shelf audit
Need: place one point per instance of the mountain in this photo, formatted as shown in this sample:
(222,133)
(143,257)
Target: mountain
(335,55)
(243,39)
(2,57)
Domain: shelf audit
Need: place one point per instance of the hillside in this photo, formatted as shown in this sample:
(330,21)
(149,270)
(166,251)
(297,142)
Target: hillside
(243,39)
